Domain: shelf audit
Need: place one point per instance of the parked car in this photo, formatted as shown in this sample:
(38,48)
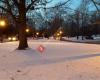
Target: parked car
(12,38)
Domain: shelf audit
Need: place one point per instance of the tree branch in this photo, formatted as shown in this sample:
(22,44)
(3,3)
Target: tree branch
(16,2)
(52,7)
(6,10)
(61,4)
(95,5)
(31,4)
(9,12)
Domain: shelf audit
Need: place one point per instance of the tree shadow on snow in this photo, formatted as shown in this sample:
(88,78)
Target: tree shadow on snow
(72,58)
(27,52)
(57,60)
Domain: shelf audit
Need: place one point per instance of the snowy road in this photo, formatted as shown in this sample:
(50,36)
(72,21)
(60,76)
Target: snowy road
(82,61)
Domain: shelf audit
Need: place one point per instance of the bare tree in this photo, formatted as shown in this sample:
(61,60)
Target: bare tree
(18,9)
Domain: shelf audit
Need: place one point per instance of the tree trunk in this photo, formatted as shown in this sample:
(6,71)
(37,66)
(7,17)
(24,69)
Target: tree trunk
(22,26)
(22,38)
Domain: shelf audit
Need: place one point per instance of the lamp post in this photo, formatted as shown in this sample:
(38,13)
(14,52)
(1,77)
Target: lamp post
(60,32)
(37,33)
(2,25)
(27,30)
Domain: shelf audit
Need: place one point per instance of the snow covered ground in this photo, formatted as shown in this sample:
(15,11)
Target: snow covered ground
(95,40)
(59,61)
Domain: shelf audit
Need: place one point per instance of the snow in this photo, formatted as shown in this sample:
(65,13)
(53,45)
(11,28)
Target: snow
(59,61)
(96,39)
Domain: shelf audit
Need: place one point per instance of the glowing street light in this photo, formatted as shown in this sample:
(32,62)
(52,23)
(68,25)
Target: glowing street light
(27,30)
(60,32)
(2,23)
(37,33)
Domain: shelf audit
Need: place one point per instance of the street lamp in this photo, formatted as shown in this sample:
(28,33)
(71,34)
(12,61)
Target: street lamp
(37,33)
(27,30)
(60,32)
(2,23)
